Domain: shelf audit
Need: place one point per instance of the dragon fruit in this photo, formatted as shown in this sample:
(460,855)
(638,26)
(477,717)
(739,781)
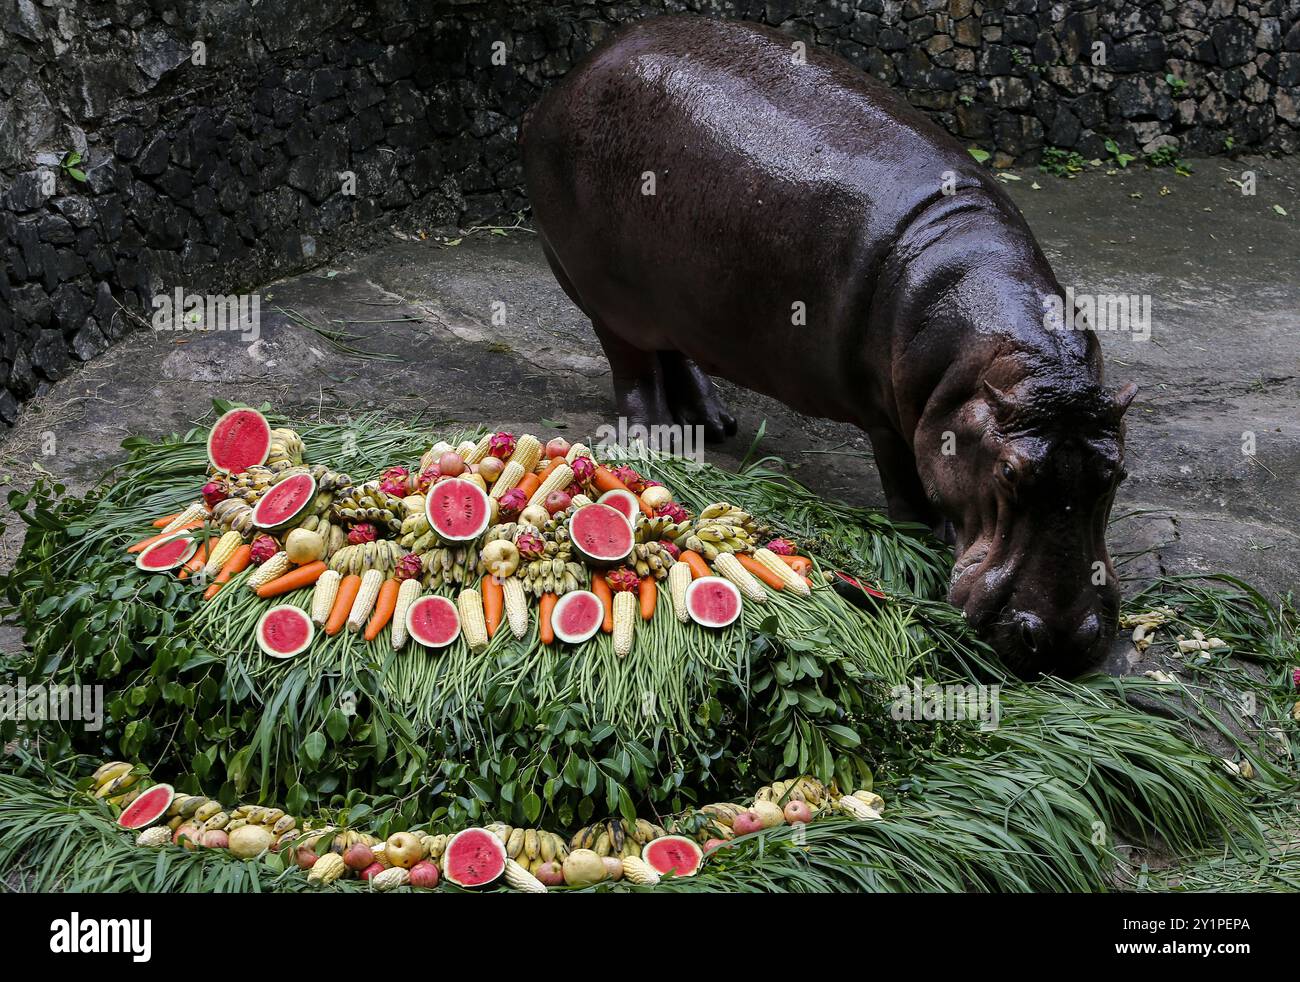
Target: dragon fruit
(670,548)
(574,489)
(364,532)
(263,548)
(394,481)
(501,445)
(511,504)
(427,479)
(530,545)
(622,579)
(782,547)
(214,492)
(584,469)
(673,512)
(1295,677)
(408,567)
(634,481)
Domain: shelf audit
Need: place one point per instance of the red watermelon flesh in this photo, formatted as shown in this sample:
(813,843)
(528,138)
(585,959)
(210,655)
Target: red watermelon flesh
(283,502)
(167,554)
(577,616)
(624,502)
(474,858)
(673,855)
(285,631)
(458,510)
(433,621)
(602,534)
(713,601)
(239,439)
(150,805)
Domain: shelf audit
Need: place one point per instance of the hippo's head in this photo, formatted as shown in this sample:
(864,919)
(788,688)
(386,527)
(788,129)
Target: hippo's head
(1028,489)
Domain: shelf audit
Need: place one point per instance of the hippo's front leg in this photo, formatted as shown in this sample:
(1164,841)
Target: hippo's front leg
(693,398)
(904,493)
(638,380)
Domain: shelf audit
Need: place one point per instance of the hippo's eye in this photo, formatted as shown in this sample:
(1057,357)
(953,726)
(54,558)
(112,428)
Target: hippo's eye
(1008,472)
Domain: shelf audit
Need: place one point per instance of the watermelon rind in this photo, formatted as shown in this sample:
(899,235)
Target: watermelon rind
(438,520)
(227,459)
(570,637)
(596,512)
(280,611)
(486,847)
(148,807)
(702,583)
(273,495)
(624,502)
(653,854)
(141,561)
(414,630)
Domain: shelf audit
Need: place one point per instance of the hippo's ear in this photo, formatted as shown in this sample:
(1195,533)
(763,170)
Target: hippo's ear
(1124,397)
(1003,404)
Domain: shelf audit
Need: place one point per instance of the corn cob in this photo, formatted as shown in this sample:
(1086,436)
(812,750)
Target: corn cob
(472,623)
(322,596)
(390,879)
(197,511)
(520,879)
(371,581)
(625,617)
(510,476)
(578,500)
(528,451)
(406,594)
(576,451)
(327,869)
(729,566)
(782,571)
(277,565)
(557,480)
(223,550)
(516,606)
(480,450)
(679,578)
(639,871)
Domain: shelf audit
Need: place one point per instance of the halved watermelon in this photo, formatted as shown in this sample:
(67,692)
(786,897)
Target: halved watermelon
(284,502)
(433,620)
(150,805)
(602,534)
(285,631)
(239,439)
(168,553)
(473,858)
(624,502)
(673,855)
(458,510)
(577,616)
(712,601)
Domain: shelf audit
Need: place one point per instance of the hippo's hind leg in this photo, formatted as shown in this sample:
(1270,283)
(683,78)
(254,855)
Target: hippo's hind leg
(693,398)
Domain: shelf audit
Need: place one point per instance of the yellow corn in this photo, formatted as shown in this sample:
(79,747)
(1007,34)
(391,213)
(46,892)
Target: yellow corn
(322,596)
(510,476)
(557,480)
(223,550)
(472,623)
(194,512)
(479,451)
(371,581)
(406,595)
(679,578)
(528,451)
(638,871)
(576,451)
(789,577)
(579,500)
(516,606)
(729,566)
(327,869)
(625,618)
(277,565)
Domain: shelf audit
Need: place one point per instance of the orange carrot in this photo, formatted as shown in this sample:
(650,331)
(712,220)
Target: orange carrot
(237,563)
(546,471)
(494,602)
(348,588)
(385,604)
(196,561)
(696,562)
(800,564)
(528,484)
(761,571)
(601,589)
(144,544)
(649,594)
(295,579)
(546,631)
(165,520)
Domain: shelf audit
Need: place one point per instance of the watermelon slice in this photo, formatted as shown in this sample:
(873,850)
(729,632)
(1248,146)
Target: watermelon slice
(433,621)
(624,502)
(712,601)
(474,858)
(285,631)
(577,616)
(458,510)
(149,806)
(673,855)
(168,553)
(284,502)
(239,439)
(602,534)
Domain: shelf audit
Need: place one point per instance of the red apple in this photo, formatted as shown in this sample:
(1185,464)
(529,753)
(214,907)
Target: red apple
(305,857)
(613,868)
(358,856)
(713,844)
(798,812)
(746,822)
(187,836)
(557,447)
(451,464)
(216,839)
(424,874)
(557,501)
(371,871)
(552,874)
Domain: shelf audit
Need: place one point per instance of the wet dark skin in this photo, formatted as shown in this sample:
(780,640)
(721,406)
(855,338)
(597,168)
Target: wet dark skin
(813,238)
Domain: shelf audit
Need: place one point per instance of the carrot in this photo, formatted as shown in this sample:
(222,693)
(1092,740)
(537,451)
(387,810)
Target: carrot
(601,589)
(546,631)
(761,571)
(528,484)
(304,575)
(196,561)
(494,602)
(144,544)
(649,594)
(385,604)
(800,564)
(696,562)
(165,520)
(546,471)
(348,587)
(237,563)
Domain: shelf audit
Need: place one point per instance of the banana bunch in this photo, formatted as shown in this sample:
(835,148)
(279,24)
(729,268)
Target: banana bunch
(117,783)
(328,480)
(251,484)
(286,448)
(720,528)
(272,819)
(435,845)
(651,559)
(555,575)
(335,536)
(382,554)
(723,813)
(417,535)
(660,527)
(233,514)
(366,503)
(192,809)
(450,565)
(530,848)
(803,788)
(616,837)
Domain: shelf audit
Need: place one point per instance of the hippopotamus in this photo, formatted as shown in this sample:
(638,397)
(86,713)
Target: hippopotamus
(721,201)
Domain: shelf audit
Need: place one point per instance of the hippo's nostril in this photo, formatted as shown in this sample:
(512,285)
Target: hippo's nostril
(1088,633)
(1032,633)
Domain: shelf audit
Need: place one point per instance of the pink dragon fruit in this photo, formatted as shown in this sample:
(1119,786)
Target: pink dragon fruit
(673,512)
(427,479)
(1295,677)
(622,579)
(574,489)
(634,481)
(408,567)
(501,445)
(263,548)
(511,504)
(782,547)
(363,532)
(584,469)
(670,548)
(394,481)
(213,492)
(530,545)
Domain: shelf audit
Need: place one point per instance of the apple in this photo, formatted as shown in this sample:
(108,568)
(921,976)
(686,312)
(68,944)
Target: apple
(452,464)
(746,822)
(187,835)
(557,447)
(713,844)
(404,849)
(305,857)
(371,871)
(358,856)
(557,501)
(490,468)
(551,873)
(424,874)
(613,868)
(215,839)
(798,812)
